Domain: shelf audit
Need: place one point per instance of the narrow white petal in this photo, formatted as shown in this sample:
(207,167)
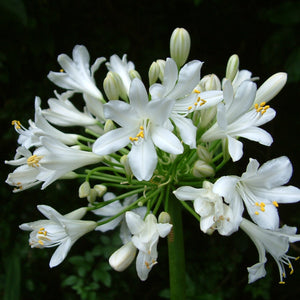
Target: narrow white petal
(134,222)
(163,229)
(186,129)
(138,96)
(166,140)
(235,148)
(186,193)
(170,75)
(256,134)
(60,253)
(226,187)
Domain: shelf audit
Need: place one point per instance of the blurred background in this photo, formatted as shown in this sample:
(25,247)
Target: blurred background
(265,35)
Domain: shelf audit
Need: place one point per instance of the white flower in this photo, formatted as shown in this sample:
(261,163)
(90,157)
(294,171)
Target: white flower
(62,112)
(61,231)
(122,68)
(40,127)
(275,242)
(142,125)
(261,190)
(234,119)
(214,213)
(145,238)
(180,87)
(76,74)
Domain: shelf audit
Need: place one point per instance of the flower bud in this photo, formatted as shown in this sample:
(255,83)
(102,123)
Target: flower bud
(180,44)
(100,189)
(134,74)
(203,169)
(164,217)
(123,257)
(111,85)
(69,175)
(84,189)
(109,125)
(204,154)
(207,115)
(161,63)
(232,67)
(209,83)
(271,87)
(153,73)
(92,196)
(124,161)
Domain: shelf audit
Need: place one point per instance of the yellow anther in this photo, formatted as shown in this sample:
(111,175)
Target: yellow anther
(16,123)
(292,271)
(256,106)
(262,204)
(257,213)
(259,109)
(275,203)
(42,228)
(263,111)
(142,127)
(297,257)
(198,99)
(197,91)
(256,203)
(147,265)
(266,107)
(281,282)
(196,103)
(190,107)
(33,161)
(262,104)
(262,208)
(61,70)
(202,102)
(40,242)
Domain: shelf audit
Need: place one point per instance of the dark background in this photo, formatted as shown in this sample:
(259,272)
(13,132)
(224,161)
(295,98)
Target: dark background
(265,35)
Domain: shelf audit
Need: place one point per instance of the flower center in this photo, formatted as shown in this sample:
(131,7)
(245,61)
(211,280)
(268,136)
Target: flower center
(262,107)
(33,161)
(199,101)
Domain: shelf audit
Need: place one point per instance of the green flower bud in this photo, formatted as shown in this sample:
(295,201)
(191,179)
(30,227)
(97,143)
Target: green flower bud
(161,63)
(209,83)
(204,154)
(232,67)
(164,217)
(84,189)
(92,196)
(111,85)
(109,125)
(134,74)
(203,169)
(124,161)
(100,189)
(153,73)
(180,44)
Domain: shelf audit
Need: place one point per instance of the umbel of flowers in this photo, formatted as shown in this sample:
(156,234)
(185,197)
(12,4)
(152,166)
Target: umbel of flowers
(149,146)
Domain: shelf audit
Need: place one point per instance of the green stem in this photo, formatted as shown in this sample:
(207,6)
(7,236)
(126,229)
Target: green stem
(176,251)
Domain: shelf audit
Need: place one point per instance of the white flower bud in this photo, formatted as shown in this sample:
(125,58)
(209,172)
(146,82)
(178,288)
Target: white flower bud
(164,217)
(232,67)
(134,74)
(100,189)
(203,169)
(180,44)
(111,85)
(124,161)
(204,154)
(92,196)
(153,73)
(210,82)
(84,189)
(271,87)
(123,257)
(207,115)
(109,125)
(161,63)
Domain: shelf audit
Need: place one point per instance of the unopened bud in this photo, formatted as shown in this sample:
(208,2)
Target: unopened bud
(124,161)
(153,73)
(109,125)
(203,169)
(164,217)
(100,189)
(180,44)
(111,85)
(123,257)
(207,116)
(69,175)
(209,83)
(271,87)
(204,154)
(84,189)
(161,63)
(134,74)
(232,67)
(92,196)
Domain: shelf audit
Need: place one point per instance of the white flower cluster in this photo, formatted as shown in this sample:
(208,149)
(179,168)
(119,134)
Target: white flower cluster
(148,143)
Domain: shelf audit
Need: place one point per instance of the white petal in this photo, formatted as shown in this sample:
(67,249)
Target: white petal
(163,229)
(226,187)
(113,140)
(134,222)
(110,225)
(186,129)
(143,159)
(138,96)
(257,271)
(166,140)
(186,193)
(170,75)
(235,148)
(60,253)
(257,134)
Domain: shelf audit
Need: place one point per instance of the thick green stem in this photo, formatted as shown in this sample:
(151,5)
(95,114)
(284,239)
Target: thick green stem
(176,251)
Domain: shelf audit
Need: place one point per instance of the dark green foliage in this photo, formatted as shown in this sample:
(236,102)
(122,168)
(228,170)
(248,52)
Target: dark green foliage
(265,34)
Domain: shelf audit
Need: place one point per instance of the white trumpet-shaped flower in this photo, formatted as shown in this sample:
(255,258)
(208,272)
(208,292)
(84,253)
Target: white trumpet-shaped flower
(261,189)
(214,213)
(181,88)
(275,242)
(145,238)
(76,74)
(142,125)
(234,119)
(40,127)
(58,230)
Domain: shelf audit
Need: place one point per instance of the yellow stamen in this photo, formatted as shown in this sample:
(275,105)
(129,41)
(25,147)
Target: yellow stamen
(40,242)
(33,160)
(257,213)
(202,102)
(275,203)
(147,265)
(281,282)
(190,107)
(197,91)
(16,123)
(262,104)
(61,70)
